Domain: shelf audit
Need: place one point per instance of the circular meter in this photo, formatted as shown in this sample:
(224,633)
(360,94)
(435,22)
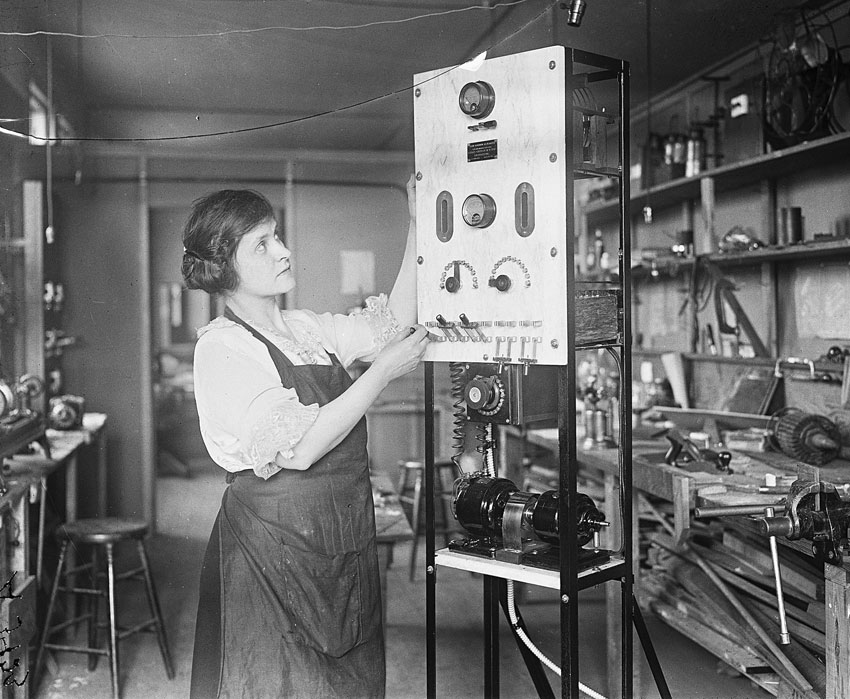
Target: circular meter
(477,99)
(478,210)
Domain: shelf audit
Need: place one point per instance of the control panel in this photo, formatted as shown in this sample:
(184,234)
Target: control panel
(491,209)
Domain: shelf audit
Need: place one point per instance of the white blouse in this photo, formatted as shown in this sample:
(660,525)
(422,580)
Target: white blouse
(246,416)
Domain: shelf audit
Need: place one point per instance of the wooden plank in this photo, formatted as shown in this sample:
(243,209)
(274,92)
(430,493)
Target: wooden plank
(762,595)
(837,632)
(733,654)
(813,639)
(802,659)
(790,573)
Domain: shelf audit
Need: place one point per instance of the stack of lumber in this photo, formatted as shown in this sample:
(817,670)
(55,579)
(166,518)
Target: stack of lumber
(719,591)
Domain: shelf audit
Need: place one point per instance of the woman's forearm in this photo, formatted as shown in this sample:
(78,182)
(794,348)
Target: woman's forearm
(335,420)
(402,301)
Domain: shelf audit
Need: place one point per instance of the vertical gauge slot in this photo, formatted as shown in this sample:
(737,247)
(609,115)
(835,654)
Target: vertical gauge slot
(445,225)
(524,209)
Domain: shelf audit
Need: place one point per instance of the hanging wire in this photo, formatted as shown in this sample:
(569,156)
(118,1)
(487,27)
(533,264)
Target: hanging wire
(287,122)
(274,28)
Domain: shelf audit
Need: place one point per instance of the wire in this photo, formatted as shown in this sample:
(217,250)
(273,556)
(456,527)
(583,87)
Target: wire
(288,122)
(257,30)
(520,632)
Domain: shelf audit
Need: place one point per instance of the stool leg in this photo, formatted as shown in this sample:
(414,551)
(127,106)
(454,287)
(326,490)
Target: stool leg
(417,502)
(45,632)
(113,624)
(94,609)
(153,603)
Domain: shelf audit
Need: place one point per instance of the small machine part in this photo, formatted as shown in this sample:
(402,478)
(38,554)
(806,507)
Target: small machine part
(576,12)
(7,399)
(519,527)
(514,395)
(28,388)
(684,451)
(813,439)
(66,412)
(817,511)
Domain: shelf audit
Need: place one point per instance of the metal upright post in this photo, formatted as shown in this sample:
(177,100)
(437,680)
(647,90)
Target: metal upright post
(625,440)
(430,567)
(568,457)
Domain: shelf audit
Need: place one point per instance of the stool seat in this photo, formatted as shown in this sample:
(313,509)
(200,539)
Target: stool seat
(103,530)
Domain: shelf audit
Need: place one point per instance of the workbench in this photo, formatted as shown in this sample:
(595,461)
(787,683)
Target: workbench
(26,481)
(685,490)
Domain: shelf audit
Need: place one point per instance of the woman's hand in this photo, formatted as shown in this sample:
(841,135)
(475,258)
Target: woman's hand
(402,354)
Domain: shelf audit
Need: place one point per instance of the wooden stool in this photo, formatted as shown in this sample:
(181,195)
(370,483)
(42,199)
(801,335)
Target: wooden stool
(103,532)
(411,491)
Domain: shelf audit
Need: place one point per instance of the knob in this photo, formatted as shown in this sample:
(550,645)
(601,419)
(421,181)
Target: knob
(452,284)
(484,394)
(502,282)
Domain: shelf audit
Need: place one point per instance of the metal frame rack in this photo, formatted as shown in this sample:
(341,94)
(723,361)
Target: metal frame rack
(569,580)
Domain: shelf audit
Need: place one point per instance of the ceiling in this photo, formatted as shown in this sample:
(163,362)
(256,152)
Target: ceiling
(188,68)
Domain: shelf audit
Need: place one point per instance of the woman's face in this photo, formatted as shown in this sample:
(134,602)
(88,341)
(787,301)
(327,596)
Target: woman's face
(262,262)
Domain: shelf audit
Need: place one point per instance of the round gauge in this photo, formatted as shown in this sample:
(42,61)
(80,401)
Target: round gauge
(477,99)
(479,210)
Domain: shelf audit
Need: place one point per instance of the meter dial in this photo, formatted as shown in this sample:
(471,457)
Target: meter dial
(478,210)
(477,99)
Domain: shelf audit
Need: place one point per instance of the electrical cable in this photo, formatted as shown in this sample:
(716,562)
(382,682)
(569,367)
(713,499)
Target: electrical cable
(257,30)
(520,632)
(288,122)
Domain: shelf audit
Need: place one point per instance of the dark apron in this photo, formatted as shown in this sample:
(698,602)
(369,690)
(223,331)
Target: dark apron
(290,598)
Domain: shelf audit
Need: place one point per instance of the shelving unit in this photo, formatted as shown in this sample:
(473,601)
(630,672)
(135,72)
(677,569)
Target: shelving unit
(769,166)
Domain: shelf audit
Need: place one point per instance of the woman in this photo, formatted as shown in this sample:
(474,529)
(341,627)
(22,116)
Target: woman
(290,602)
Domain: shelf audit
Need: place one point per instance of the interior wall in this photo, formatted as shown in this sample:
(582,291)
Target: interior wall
(328,219)
(98,230)
(100,223)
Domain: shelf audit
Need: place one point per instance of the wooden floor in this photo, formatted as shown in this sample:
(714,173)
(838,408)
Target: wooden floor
(187,508)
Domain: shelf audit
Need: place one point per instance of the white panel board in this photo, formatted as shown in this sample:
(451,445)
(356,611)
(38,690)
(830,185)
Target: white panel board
(517,156)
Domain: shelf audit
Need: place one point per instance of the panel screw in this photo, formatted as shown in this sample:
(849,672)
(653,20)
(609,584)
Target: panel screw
(420,260)
(417,92)
(553,157)
(565,598)
(418,176)
(554,344)
(554,252)
(485,357)
(429,569)
(552,65)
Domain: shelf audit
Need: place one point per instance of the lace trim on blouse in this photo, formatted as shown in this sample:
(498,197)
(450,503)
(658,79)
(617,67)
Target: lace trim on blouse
(380,318)
(279,431)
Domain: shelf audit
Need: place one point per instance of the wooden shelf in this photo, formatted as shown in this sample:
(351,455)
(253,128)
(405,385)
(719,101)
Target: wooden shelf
(802,251)
(767,166)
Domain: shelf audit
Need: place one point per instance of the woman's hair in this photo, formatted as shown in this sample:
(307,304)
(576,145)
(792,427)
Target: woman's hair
(216,224)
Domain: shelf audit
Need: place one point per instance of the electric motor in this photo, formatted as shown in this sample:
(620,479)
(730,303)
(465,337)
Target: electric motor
(495,508)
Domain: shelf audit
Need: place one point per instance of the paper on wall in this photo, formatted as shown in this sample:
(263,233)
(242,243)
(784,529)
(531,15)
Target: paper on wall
(357,272)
